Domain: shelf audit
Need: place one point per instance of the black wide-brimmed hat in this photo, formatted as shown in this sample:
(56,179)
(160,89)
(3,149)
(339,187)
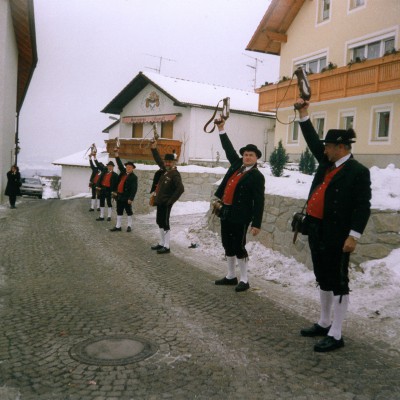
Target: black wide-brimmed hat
(340,136)
(111,163)
(169,157)
(251,147)
(130,163)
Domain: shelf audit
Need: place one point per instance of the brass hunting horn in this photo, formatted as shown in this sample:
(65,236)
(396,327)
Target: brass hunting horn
(224,114)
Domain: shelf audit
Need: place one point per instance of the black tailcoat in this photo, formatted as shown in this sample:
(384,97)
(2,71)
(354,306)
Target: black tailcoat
(347,197)
(131,183)
(248,200)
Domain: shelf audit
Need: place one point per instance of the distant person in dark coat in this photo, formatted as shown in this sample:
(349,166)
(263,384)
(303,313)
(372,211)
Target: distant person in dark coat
(168,188)
(13,185)
(106,184)
(242,194)
(94,177)
(338,209)
(125,193)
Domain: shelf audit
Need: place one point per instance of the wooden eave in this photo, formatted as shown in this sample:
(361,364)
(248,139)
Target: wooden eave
(22,13)
(272,30)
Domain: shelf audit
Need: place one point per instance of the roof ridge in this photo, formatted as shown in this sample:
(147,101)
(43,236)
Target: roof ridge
(192,81)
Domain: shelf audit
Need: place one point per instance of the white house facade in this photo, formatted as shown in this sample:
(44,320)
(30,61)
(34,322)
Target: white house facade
(179,110)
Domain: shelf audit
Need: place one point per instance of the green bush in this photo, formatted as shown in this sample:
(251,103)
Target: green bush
(307,162)
(278,159)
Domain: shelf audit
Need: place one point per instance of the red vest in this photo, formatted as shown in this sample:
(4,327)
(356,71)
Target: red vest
(96,178)
(106,181)
(122,183)
(230,187)
(315,205)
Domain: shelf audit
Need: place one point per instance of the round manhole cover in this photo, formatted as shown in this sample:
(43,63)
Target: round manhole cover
(112,350)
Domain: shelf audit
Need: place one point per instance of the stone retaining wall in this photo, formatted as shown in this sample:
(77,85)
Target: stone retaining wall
(381,236)
(198,187)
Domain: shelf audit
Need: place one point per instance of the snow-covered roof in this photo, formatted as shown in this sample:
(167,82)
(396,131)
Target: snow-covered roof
(184,92)
(81,159)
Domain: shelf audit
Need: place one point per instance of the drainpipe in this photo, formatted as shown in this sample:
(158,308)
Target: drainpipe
(17,148)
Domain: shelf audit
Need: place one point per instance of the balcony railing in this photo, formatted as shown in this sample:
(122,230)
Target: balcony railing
(139,149)
(369,76)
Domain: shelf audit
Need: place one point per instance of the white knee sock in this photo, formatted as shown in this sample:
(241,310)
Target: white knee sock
(162,237)
(101,212)
(339,313)
(93,204)
(326,299)
(242,262)
(231,267)
(167,238)
(98,203)
(119,221)
(130,220)
(109,212)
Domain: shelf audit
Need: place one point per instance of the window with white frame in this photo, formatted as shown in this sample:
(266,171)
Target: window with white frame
(356,4)
(319,125)
(346,119)
(314,65)
(294,133)
(374,48)
(381,123)
(324,9)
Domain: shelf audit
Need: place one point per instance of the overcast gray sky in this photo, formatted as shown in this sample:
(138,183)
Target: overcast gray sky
(89,50)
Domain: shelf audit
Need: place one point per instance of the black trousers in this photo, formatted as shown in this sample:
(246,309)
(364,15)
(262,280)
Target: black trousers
(234,239)
(331,265)
(162,216)
(122,205)
(94,194)
(105,194)
(12,198)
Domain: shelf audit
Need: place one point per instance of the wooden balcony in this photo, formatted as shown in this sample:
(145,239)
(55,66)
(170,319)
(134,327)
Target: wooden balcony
(139,149)
(370,76)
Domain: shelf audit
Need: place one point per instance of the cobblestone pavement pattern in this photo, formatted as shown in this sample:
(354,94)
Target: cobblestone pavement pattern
(67,279)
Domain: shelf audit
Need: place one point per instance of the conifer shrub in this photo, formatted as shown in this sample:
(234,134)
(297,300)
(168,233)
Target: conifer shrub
(278,159)
(307,162)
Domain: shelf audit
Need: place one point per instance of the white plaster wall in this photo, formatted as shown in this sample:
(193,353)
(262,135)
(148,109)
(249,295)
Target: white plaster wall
(242,129)
(74,180)
(137,107)
(8,92)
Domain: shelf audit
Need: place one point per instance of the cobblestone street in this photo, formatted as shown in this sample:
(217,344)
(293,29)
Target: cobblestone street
(64,279)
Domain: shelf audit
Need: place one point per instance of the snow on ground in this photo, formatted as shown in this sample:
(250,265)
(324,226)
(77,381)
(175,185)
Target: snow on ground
(375,284)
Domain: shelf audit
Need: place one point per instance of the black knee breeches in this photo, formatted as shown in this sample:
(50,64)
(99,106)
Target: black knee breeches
(329,262)
(234,239)
(162,218)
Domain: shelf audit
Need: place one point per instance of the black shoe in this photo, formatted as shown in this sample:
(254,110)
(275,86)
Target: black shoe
(315,330)
(164,250)
(328,344)
(226,281)
(100,219)
(91,209)
(242,286)
(108,219)
(129,229)
(13,207)
(98,209)
(115,229)
(157,247)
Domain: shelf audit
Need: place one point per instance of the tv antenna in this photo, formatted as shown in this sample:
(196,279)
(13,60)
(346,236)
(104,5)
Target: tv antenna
(254,67)
(161,58)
